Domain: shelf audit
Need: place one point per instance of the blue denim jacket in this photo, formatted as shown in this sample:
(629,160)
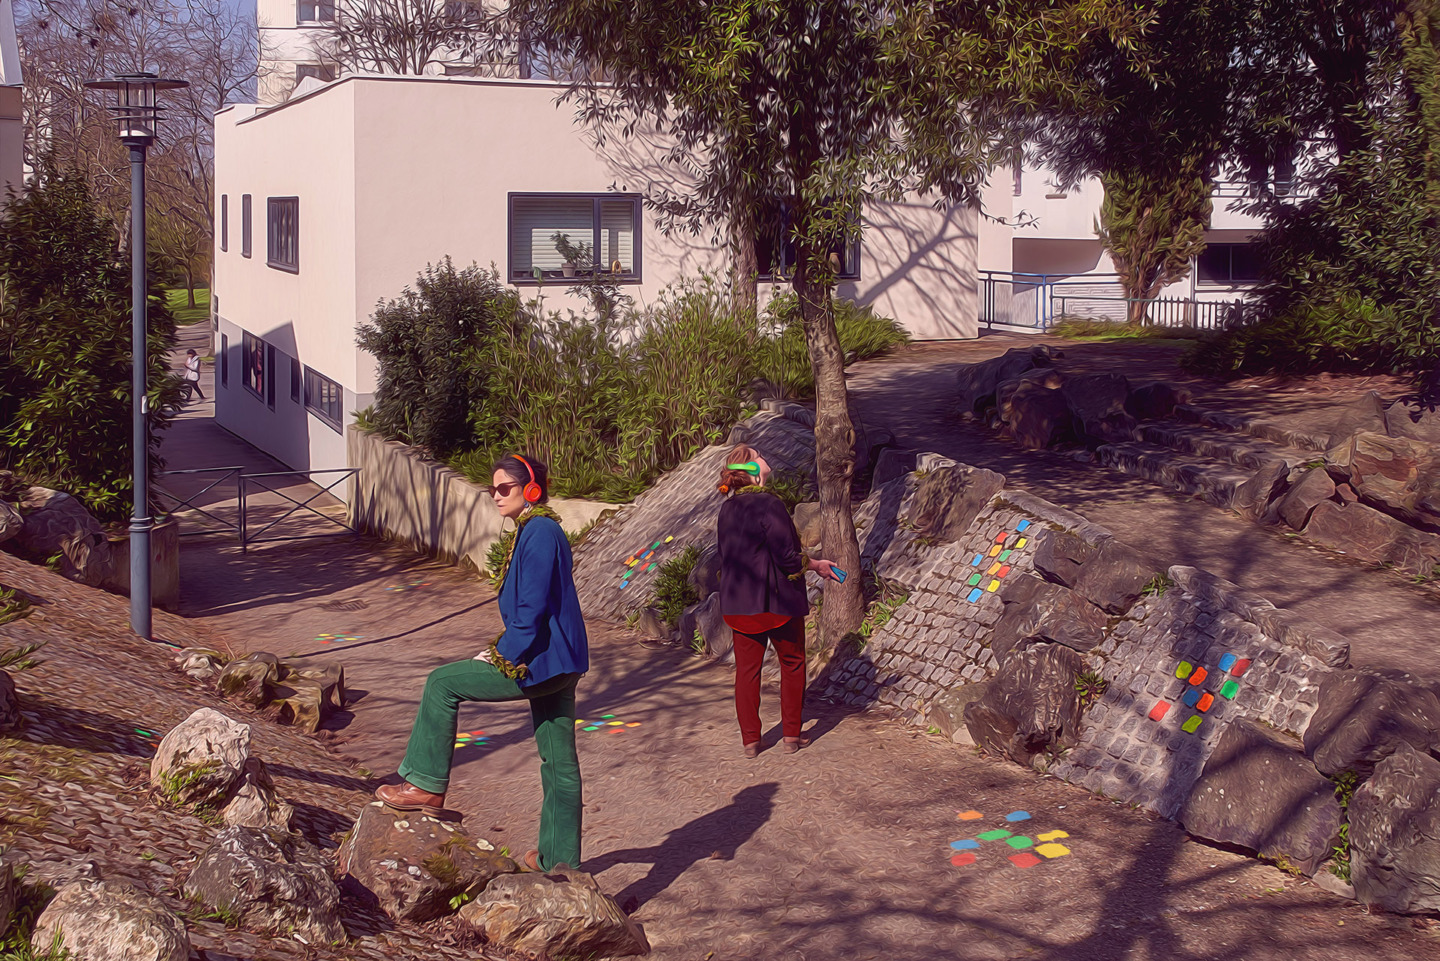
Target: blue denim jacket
(543,627)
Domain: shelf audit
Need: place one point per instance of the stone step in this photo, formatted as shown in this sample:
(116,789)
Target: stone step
(1217,483)
(1242,450)
(1254,426)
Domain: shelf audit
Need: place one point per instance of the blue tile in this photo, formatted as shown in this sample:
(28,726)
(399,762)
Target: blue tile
(975,595)
(1018,816)
(966,845)
(1191,696)
(1227,661)
(977,560)
(1021,527)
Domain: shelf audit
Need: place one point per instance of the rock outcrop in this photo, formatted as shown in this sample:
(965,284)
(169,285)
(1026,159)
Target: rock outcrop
(253,802)
(1395,834)
(558,914)
(200,760)
(110,921)
(271,881)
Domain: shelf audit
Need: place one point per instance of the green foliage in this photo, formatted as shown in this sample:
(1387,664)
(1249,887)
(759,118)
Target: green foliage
(18,658)
(1080,328)
(1090,686)
(177,301)
(13,606)
(65,410)
(432,343)
(1345,784)
(1157,585)
(791,486)
(672,592)
(1153,224)
(495,556)
(784,360)
(881,609)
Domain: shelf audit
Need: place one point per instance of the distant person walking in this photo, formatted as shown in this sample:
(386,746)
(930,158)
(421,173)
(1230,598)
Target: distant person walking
(539,657)
(192,375)
(762,594)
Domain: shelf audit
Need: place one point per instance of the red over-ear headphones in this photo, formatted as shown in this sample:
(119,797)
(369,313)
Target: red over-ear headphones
(532,490)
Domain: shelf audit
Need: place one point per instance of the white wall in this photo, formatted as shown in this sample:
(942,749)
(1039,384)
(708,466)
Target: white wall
(12,142)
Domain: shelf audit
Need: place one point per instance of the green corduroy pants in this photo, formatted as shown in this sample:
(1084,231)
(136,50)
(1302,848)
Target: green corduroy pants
(552,712)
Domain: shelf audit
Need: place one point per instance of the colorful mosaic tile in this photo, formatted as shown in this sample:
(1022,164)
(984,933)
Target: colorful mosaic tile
(1019,842)
(1192,725)
(969,815)
(1159,711)
(1183,669)
(1051,836)
(1229,689)
(1024,860)
(999,834)
(962,859)
(1199,675)
(1205,701)
(1014,816)
(1052,851)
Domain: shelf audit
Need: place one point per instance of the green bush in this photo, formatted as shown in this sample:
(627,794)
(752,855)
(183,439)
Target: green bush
(431,344)
(65,408)
(673,593)
(1350,333)
(784,359)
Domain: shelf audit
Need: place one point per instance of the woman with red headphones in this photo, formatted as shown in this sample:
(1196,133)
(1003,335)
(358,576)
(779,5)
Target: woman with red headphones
(539,657)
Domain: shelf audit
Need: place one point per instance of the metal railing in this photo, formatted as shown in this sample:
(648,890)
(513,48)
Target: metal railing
(252,484)
(1159,312)
(190,502)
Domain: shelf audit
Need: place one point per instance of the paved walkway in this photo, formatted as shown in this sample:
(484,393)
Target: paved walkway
(1391,623)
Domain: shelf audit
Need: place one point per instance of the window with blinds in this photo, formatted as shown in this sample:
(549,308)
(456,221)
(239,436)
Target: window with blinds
(282,233)
(566,236)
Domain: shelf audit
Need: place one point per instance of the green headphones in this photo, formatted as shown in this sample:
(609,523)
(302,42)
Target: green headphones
(751,468)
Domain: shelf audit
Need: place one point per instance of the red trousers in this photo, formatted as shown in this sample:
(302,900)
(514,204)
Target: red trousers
(787,634)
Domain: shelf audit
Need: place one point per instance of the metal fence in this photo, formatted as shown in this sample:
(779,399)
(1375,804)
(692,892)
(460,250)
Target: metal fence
(256,488)
(1037,301)
(208,510)
(257,507)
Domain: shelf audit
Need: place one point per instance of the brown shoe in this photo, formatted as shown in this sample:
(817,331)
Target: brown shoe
(532,860)
(752,750)
(793,744)
(406,797)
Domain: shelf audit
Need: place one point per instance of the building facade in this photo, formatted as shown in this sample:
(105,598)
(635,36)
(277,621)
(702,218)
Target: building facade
(12,127)
(337,199)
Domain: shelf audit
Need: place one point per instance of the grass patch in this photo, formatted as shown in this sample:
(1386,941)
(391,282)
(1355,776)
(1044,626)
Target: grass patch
(31,900)
(1157,585)
(1345,784)
(673,592)
(1080,328)
(179,303)
(1090,686)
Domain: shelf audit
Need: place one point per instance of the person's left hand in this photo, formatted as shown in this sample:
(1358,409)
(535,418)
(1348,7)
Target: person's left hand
(825,569)
(484,656)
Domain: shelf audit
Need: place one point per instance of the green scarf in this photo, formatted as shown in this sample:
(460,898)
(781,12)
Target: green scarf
(515,672)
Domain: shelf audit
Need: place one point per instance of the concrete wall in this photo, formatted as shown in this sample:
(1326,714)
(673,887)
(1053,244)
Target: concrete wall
(12,142)
(402,495)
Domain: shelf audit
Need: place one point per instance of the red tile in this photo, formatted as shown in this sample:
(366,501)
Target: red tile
(1159,711)
(1003,571)
(1024,860)
(962,859)
(1000,537)
(1199,676)
(1241,666)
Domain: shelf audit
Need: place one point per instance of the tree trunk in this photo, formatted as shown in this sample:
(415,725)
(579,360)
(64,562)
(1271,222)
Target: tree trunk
(844,606)
(190,287)
(744,264)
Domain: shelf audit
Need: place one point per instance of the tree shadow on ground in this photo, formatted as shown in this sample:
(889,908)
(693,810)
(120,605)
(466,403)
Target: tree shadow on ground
(717,835)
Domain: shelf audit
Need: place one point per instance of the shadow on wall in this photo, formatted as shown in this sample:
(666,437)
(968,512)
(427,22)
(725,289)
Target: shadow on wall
(919,266)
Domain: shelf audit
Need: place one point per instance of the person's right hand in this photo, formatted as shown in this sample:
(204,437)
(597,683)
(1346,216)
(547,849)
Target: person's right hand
(825,569)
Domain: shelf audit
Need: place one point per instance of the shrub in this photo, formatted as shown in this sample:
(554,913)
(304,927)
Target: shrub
(785,360)
(431,343)
(673,593)
(65,407)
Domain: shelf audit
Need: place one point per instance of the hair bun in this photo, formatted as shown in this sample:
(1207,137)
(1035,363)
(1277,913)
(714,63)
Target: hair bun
(724,488)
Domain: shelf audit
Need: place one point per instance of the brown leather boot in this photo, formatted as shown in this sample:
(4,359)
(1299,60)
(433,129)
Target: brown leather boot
(406,797)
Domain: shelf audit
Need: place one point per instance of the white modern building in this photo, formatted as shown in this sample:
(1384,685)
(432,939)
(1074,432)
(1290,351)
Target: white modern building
(336,199)
(12,127)
(1040,255)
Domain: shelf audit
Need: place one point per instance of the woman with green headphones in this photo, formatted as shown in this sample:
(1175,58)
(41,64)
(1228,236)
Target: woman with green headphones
(762,594)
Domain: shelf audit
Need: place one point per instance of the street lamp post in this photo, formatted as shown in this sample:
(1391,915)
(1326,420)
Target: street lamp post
(137,114)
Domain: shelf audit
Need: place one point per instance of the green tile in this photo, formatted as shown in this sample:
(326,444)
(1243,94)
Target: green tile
(974,579)
(1004,556)
(1019,842)
(1192,725)
(1183,669)
(994,835)
(1229,689)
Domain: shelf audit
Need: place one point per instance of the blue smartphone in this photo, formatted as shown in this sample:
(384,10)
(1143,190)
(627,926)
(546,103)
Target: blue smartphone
(839,574)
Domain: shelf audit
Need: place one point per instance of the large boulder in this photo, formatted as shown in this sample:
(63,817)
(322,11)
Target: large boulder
(328,677)
(1156,401)
(949,499)
(561,913)
(1039,416)
(299,703)
(705,575)
(1362,718)
(1047,377)
(251,679)
(703,629)
(892,463)
(9,894)
(1036,610)
(254,802)
(1115,576)
(1258,791)
(1060,555)
(946,712)
(412,866)
(57,524)
(200,664)
(1031,705)
(1398,475)
(11,523)
(976,383)
(200,760)
(1366,413)
(110,921)
(9,704)
(272,881)
(1097,402)
(1309,491)
(1395,834)
(1369,535)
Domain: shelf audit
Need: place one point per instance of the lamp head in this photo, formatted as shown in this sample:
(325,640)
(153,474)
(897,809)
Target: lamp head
(135,107)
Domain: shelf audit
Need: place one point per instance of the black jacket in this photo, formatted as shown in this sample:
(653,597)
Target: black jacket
(759,547)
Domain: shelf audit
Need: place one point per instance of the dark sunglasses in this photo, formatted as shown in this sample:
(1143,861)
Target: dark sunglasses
(504,490)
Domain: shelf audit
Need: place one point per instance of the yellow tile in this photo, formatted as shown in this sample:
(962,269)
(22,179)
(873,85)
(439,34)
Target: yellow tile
(1051,836)
(1021,542)
(994,586)
(994,550)
(1052,850)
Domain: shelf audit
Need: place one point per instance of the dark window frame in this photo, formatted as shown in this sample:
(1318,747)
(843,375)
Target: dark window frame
(597,271)
(251,377)
(246,223)
(765,249)
(282,233)
(297,378)
(224,360)
(272,364)
(224,222)
(315,384)
(1207,274)
(323,10)
(324,72)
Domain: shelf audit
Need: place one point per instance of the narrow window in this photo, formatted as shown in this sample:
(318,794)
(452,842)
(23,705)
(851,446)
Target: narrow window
(315,11)
(272,367)
(224,361)
(224,222)
(282,233)
(324,398)
(253,369)
(295,374)
(244,225)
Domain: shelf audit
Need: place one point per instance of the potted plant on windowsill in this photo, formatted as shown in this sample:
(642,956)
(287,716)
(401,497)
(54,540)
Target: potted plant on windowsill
(576,256)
